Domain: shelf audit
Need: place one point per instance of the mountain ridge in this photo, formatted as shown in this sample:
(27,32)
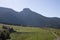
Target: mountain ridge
(27,18)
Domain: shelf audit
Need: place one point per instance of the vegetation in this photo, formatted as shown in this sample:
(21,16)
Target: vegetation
(5,32)
(32,33)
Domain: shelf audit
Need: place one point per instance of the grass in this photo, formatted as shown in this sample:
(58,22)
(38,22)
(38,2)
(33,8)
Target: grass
(57,31)
(32,33)
(31,36)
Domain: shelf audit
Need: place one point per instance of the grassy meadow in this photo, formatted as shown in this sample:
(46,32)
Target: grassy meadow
(32,33)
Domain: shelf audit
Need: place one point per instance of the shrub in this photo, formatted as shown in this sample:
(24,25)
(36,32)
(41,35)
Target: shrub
(4,34)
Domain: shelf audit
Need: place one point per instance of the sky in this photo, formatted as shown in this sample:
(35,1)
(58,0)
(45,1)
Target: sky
(48,8)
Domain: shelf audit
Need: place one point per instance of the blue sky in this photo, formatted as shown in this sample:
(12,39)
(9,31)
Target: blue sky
(49,8)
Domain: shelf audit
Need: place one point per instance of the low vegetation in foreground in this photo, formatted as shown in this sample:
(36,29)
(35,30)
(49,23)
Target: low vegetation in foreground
(32,33)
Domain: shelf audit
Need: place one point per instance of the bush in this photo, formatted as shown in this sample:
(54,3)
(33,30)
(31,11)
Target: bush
(11,30)
(4,34)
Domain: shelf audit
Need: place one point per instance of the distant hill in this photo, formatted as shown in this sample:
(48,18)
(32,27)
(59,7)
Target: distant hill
(27,17)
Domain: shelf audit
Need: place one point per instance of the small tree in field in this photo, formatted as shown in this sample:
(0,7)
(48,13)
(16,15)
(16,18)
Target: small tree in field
(4,34)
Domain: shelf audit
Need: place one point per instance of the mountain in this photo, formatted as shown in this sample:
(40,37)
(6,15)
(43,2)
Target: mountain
(31,18)
(27,18)
(7,15)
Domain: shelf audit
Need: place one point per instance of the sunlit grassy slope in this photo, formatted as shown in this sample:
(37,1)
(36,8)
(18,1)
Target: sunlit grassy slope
(32,33)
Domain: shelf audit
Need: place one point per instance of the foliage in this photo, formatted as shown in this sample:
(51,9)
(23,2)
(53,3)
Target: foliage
(5,32)
(32,33)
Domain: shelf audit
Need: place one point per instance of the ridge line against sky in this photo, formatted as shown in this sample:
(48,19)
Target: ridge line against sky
(49,8)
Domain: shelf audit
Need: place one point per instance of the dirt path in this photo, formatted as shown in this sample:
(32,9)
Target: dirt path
(57,37)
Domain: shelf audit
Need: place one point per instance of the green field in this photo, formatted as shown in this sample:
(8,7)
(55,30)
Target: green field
(32,33)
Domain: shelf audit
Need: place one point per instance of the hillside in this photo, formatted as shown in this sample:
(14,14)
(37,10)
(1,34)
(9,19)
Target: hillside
(32,33)
(27,17)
